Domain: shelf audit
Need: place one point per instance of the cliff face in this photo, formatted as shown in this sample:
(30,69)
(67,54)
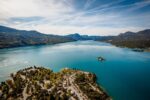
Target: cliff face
(43,84)
(10,37)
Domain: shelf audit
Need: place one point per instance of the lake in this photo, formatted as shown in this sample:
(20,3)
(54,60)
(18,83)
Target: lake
(125,74)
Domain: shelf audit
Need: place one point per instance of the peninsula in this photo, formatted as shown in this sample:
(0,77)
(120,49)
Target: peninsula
(39,83)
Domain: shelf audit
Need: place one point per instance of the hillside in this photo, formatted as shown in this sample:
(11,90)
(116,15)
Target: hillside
(10,37)
(139,39)
(38,83)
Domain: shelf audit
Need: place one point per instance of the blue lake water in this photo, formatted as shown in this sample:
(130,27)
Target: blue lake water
(125,74)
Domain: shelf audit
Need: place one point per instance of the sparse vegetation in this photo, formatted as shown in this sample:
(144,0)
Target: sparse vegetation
(139,39)
(10,37)
(38,83)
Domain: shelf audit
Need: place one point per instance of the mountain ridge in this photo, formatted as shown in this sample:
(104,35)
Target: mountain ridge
(10,37)
(140,39)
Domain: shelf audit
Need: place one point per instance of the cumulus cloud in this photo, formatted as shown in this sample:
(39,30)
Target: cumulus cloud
(65,16)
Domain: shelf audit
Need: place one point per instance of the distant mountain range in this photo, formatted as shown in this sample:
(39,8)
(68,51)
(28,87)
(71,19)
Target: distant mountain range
(139,39)
(10,37)
(77,36)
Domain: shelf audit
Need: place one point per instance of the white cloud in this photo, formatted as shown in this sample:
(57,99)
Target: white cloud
(29,8)
(61,17)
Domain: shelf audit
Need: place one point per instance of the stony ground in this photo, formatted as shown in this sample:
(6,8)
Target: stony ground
(38,83)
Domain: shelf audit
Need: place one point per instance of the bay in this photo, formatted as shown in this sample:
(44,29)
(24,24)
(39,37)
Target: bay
(125,75)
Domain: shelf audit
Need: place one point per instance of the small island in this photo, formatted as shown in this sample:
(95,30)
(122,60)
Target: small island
(101,58)
(39,83)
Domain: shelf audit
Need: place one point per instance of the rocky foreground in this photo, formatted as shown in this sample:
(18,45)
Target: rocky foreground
(38,83)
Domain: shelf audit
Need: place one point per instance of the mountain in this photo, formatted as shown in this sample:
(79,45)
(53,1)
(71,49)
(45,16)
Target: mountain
(10,37)
(129,39)
(77,36)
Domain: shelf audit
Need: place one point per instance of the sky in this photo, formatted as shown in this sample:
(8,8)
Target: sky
(91,17)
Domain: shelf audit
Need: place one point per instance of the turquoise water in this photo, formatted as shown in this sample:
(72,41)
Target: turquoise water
(125,74)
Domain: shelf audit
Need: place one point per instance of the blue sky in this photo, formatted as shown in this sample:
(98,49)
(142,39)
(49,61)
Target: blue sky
(92,17)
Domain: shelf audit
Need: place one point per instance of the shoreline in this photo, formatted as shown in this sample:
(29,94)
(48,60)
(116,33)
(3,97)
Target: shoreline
(35,82)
